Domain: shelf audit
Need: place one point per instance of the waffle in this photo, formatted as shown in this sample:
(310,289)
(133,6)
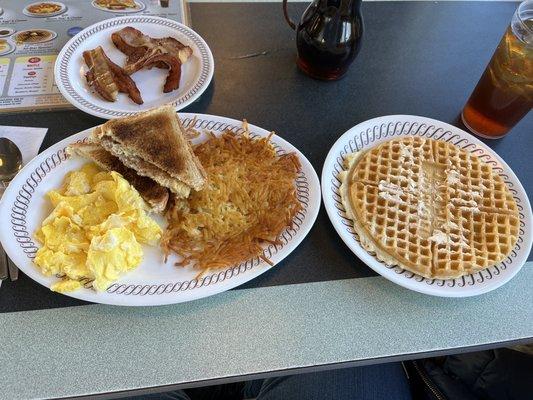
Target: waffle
(429,207)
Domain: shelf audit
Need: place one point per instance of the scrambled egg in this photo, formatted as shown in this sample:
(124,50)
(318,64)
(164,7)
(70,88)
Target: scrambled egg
(94,231)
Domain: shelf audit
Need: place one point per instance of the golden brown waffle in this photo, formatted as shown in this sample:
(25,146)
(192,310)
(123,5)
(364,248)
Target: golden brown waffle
(429,207)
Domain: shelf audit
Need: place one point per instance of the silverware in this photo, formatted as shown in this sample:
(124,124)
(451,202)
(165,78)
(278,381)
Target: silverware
(3,264)
(10,164)
(12,268)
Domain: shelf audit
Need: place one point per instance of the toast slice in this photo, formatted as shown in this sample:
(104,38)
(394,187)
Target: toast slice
(154,194)
(153,143)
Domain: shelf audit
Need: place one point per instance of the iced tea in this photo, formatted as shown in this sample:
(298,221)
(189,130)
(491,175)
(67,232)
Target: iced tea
(504,94)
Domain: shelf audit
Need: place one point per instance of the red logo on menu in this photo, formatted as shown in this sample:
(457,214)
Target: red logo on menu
(31,73)
(34,60)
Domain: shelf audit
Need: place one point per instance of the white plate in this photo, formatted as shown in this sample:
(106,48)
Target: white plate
(153,282)
(53,35)
(9,49)
(377,130)
(140,6)
(26,11)
(70,68)
(9,32)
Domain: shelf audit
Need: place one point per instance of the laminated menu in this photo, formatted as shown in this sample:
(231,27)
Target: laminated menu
(32,34)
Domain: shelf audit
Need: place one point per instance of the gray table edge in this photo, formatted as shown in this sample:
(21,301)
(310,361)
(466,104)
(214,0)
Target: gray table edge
(250,333)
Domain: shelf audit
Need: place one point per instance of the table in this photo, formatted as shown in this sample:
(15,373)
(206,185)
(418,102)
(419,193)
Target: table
(321,307)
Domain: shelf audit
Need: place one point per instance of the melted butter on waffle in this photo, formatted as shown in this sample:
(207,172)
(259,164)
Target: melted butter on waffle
(429,207)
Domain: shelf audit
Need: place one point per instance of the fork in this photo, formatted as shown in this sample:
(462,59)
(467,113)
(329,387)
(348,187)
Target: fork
(7,267)
(4,263)
(10,164)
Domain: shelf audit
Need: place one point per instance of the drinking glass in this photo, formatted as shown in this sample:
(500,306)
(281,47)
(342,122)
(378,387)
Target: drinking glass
(504,94)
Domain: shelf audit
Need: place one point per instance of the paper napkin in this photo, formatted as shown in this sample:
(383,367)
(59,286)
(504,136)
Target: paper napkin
(28,140)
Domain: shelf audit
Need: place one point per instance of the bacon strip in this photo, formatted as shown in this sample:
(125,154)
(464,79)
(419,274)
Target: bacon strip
(174,74)
(146,52)
(138,46)
(107,78)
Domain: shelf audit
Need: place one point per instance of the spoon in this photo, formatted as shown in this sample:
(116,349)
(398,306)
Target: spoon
(10,160)
(10,164)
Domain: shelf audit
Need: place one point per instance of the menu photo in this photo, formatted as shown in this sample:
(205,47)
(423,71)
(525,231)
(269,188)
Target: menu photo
(33,33)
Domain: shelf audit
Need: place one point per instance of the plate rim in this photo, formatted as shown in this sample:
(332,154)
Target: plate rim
(182,295)
(369,259)
(11,47)
(54,36)
(11,32)
(63,9)
(67,90)
(141,8)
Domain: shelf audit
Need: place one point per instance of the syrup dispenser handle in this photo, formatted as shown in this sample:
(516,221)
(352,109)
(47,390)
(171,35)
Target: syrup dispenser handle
(286,14)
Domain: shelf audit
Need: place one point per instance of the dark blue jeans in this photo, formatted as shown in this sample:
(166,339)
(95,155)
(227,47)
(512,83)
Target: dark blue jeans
(376,382)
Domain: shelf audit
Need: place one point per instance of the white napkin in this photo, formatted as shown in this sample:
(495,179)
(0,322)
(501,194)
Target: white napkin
(27,139)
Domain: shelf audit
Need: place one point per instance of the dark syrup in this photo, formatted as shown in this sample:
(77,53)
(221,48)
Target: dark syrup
(328,37)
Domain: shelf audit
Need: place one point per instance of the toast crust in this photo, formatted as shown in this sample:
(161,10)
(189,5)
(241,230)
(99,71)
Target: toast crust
(146,169)
(157,137)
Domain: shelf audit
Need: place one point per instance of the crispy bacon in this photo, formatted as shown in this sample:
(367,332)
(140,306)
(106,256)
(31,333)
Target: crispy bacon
(135,45)
(99,75)
(174,74)
(175,48)
(107,78)
(139,47)
(146,52)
